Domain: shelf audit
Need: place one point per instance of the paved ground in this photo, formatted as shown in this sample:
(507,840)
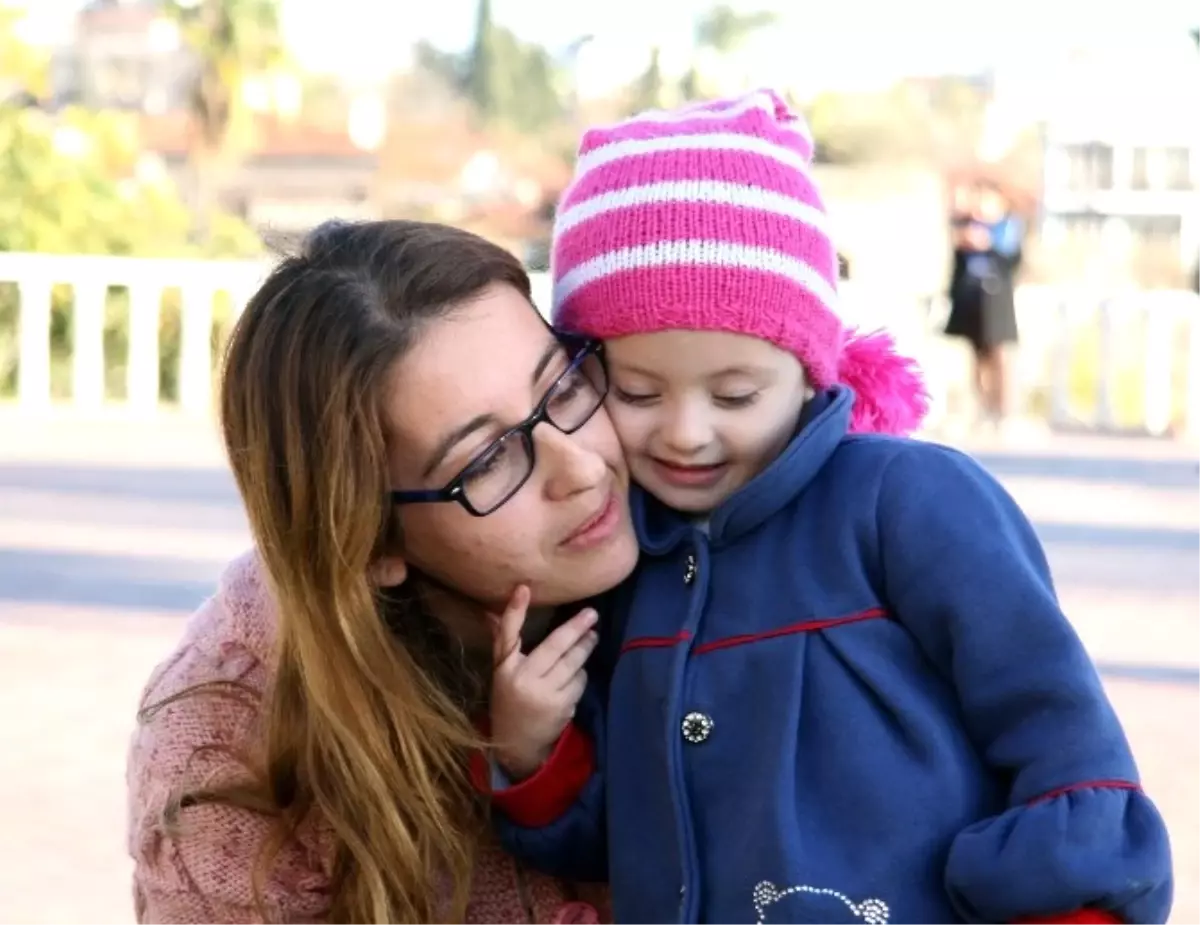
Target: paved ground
(112,530)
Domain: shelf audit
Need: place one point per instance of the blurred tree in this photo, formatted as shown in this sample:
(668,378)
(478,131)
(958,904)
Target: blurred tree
(647,90)
(720,32)
(531,100)
(483,67)
(443,65)
(724,29)
(507,80)
(70,184)
(955,110)
(67,185)
(232,40)
(934,122)
(24,69)
(851,128)
(76,183)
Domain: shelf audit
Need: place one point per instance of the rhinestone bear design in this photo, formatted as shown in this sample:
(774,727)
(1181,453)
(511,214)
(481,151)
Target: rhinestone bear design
(869,911)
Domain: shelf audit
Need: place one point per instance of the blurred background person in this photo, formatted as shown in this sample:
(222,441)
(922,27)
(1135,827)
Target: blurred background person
(987,238)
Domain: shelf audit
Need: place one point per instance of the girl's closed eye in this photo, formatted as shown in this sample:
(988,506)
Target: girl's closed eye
(634,398)
(736,401)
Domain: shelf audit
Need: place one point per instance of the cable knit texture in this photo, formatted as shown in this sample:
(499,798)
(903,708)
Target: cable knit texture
(203,873)
(707,218)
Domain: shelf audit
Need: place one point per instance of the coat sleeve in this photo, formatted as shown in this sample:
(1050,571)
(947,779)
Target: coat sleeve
(554,821)
(964,572)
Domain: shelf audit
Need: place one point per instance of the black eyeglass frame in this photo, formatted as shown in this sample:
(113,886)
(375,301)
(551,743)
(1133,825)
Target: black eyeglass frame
(454,490)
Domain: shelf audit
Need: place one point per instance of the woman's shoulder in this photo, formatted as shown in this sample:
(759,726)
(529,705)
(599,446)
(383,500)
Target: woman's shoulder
(209,689)
(196,731)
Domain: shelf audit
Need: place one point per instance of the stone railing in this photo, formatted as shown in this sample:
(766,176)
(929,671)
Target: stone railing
(1100,360)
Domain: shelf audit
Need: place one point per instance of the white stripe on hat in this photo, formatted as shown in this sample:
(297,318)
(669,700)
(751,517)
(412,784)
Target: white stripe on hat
(724,109)
(637,147)
(695,191)
(695,253)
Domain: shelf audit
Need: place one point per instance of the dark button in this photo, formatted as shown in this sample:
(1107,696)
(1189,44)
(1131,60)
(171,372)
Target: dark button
(696,727)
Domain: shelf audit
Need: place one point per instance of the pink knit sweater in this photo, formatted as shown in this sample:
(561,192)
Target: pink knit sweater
(203,872)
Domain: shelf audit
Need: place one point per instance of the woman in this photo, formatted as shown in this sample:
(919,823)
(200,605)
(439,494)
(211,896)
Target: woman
(987,253)
(303,755)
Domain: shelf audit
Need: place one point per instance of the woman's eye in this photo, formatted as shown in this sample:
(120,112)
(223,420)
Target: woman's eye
(736,401)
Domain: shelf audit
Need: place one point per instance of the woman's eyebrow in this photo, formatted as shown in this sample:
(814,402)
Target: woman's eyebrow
(456,436)
(552,350)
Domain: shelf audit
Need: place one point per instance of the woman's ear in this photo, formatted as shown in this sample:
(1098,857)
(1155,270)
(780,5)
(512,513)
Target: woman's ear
(389,571)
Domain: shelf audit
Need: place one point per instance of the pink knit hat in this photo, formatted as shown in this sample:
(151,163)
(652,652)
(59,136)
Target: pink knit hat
(707,218)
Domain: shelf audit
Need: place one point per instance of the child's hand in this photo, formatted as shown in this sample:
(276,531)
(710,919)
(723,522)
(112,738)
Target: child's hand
(534,695)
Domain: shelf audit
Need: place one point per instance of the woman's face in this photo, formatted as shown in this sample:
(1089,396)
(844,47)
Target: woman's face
(472,376)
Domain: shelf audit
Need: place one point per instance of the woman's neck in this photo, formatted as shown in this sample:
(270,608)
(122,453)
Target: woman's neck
(539,622)
(463,618)
(467,621)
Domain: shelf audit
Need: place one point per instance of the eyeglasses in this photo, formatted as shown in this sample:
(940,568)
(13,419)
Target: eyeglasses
(504,466)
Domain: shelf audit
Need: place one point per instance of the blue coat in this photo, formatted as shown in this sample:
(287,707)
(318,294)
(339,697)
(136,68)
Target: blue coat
(852,697)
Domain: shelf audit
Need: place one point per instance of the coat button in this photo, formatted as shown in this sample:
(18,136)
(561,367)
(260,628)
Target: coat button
(696,727)
(689,569)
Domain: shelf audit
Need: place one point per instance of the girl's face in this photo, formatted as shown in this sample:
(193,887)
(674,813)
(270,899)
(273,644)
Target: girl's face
(701,413)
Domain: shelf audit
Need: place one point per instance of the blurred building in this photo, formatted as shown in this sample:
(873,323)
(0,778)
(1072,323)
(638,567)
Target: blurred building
(124,54)
(1121,180)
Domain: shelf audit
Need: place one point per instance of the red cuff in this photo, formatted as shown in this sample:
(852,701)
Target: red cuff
(542,798)
(1078,917)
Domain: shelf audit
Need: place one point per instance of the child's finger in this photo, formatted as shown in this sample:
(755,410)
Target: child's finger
(573,692)
(546,656)
(572,661)
(506,629)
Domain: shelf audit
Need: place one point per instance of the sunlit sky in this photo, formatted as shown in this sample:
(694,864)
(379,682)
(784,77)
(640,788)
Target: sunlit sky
(839,44)
(846,42)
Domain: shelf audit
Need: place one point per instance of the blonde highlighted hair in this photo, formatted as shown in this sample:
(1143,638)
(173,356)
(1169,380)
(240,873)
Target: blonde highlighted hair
(367,720)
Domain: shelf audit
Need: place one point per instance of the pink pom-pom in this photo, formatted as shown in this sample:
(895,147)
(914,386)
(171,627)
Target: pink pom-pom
(890,394)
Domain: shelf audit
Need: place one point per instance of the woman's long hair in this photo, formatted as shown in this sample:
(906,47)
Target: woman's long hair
(367,719)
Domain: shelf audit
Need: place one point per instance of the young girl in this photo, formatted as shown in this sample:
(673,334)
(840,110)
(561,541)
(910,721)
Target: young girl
(845,688)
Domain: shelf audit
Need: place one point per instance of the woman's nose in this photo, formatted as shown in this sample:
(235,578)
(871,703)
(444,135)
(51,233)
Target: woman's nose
(571,465)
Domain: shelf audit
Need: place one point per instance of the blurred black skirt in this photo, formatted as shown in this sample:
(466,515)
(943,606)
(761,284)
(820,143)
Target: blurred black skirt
(983,313)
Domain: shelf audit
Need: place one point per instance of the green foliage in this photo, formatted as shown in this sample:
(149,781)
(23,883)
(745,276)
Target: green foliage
(509,81)
(718,31)
(70,185)
(231,40)
(647,91)
(929,121)
(723,29)
(482,72)
(76,183)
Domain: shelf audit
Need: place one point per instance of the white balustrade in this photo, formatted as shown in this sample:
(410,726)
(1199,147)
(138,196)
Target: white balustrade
(1140,341)
(90,279)
(1144,340)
